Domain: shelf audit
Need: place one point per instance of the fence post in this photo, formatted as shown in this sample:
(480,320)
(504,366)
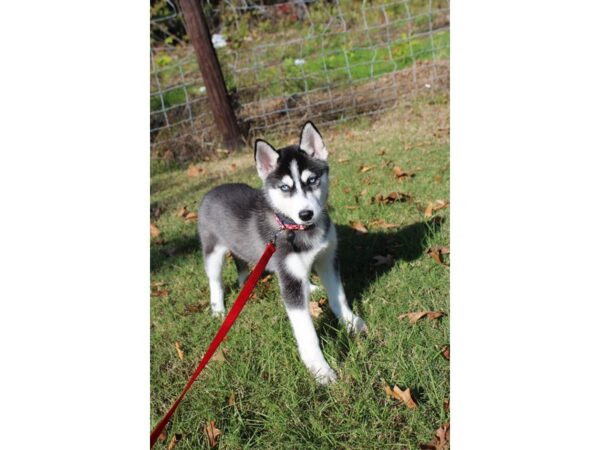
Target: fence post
(199,35)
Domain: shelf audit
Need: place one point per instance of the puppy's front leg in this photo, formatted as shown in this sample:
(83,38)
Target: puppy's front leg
(295,293)
(327,268)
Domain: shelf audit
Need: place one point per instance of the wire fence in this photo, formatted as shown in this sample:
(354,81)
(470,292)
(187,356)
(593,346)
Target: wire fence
(288,62)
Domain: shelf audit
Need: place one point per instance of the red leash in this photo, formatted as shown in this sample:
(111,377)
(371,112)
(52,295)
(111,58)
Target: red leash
(227,323)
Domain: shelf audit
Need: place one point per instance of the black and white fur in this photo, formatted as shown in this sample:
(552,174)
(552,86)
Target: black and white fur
(239,219)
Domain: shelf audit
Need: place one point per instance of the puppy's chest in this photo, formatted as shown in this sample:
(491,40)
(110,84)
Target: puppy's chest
(300,263)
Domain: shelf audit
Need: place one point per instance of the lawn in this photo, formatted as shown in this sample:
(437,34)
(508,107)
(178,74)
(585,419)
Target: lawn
(258,392)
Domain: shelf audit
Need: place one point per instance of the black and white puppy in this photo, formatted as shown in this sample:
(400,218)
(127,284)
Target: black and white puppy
(239,219)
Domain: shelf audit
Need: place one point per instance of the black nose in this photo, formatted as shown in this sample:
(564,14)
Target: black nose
(305,214)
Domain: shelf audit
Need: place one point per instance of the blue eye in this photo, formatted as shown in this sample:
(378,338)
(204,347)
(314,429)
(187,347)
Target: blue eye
(284,188)
(312,180)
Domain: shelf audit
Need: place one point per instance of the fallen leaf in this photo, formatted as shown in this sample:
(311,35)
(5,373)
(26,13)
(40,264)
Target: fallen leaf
(266,279)
(363,193)
(392,197)
(233,167)
(366,180)
(405,396)
(358,226)
(441,440)
(191,217)
(351,206)
(433,207)
(386,260)
(401,174)
(397,393)
(364,168)
(231,399)
(174,441)
(347,190)
(446,352)
(315,309)
(194,170)
(212,433)
(437,179)
(322,301)
(380,223)
(219,354)
(343,160)
(447,404)
(413,317)
(159,293)
(162,436)
(179,351)
(154,231)
(381,152)
(195,308)
(436,253)
(186,215)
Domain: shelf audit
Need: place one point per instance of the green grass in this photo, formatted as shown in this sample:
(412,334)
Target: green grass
(276,402)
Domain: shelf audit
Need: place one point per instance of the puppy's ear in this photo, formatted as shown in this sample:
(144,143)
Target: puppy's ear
(266,158)
(312,142)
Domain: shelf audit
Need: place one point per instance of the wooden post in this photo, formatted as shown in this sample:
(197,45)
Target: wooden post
(197,29)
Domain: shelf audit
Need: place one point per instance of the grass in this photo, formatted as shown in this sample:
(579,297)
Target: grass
(261,396)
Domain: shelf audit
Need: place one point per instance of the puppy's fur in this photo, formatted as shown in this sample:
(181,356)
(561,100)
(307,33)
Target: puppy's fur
(241,220)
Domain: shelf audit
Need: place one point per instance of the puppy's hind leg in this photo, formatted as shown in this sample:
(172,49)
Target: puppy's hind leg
(214,255)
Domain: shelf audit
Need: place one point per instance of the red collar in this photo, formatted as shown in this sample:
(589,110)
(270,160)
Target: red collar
(285,225)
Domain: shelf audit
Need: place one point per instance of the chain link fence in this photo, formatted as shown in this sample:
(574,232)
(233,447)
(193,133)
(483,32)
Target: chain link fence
(286,62)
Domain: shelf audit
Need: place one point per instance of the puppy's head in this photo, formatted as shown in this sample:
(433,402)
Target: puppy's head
(295,178)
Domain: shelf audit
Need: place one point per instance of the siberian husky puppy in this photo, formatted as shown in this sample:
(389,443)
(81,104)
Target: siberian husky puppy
(292,205)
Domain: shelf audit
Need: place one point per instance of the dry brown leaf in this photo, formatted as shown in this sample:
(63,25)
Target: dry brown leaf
(159,293)
(266,279)
(219,354)
(386,260)
(346,190)
(194,170)
(343,160)
(381,152)
(441,440)
(179,350)
(437,179)
(363,193)
(162,436)
(391,198)
(322,301)
(154,231)
(404,396)
(436,253)
(233,167)
(358,226)
(380,223)
(351,206)
(186,215)
(364,168)
(366,180)
(195,308)
(446,352)
(212,433)
(413,317)
(174,441)
(435,206)
(231,399)
(191,217)
(401,174)
(315,309)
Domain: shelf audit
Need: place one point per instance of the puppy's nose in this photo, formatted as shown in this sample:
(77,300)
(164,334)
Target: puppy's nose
(305,214)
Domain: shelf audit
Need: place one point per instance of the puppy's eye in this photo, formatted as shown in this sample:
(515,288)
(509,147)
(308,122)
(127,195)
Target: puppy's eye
(312,180)
(284,188)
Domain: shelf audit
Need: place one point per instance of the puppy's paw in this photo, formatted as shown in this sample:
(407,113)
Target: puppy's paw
(314,287)
(323,374)
(355,325)
(218,313)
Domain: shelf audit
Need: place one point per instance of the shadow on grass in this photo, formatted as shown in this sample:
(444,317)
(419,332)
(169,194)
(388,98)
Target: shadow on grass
(358,270)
